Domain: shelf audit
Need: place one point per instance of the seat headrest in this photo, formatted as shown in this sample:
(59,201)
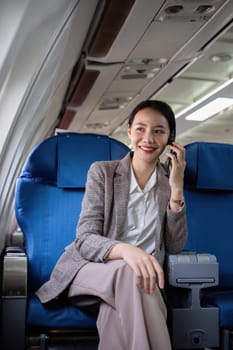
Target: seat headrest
(64,160)
(75,157)
(209,166)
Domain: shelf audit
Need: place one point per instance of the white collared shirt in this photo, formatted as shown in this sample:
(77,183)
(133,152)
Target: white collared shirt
(142,214)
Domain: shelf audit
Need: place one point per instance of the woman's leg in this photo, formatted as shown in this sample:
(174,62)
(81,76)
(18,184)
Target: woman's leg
(128,319)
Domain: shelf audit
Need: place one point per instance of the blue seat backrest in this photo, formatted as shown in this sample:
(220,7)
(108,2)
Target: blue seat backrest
(49,193)
(209,199)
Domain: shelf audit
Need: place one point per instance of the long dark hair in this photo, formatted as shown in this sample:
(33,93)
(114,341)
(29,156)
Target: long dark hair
(161,107)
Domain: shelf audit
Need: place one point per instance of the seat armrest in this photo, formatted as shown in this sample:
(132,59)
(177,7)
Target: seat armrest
(191,324)
(190,269)
(14,298)
(15,272)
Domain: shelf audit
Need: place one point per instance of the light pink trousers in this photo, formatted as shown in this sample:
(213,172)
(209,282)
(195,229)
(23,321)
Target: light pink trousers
(128,319)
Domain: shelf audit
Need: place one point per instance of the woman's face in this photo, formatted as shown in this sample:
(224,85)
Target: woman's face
(148,134)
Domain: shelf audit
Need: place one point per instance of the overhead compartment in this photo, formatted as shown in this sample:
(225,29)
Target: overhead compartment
(148,24)
(120,29)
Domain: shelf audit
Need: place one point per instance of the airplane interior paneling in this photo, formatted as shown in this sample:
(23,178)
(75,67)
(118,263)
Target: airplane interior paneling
(79,67)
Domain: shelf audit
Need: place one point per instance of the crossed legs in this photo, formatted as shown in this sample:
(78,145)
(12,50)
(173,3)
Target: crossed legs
(128,318)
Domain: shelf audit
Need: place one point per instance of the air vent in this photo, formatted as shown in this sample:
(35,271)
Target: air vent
(189,10)
(145,68)
(96,126)
(221,57)
(174,9)
(135,76)
(205,9)
(118,102)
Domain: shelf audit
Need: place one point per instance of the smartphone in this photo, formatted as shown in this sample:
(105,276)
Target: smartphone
(173,152)
(168,161)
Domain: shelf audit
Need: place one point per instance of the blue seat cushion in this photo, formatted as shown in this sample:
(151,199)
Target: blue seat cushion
(58,315)
(223,299)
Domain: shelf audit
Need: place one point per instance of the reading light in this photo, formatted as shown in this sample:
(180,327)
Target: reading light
(210,109)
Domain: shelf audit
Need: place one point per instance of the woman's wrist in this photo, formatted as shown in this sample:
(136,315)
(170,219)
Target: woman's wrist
(116,251)
(176,202)
(177,194)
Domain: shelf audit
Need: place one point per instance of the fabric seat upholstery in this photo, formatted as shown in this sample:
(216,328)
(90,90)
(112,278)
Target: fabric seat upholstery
(48,200)
(209,200)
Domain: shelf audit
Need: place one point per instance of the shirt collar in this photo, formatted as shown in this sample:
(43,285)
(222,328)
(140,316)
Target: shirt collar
(150,183)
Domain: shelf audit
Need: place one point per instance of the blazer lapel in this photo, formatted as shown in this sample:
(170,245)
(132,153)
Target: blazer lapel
(121,191)
(163,191)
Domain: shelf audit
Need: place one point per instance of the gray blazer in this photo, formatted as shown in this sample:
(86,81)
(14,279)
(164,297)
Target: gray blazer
(102,220)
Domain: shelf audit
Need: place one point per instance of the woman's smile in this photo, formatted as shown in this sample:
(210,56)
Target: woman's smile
(147,149)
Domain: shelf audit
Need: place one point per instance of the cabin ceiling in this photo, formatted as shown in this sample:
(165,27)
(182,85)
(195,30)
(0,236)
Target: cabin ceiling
(173,50)
(83,65)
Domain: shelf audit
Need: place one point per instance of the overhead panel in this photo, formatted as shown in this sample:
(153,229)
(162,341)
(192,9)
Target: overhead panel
(126,22)
(106,74)
(135,17)
(156,41)
(113,18)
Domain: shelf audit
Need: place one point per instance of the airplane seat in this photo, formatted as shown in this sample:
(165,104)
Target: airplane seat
(208,183)
(48,198)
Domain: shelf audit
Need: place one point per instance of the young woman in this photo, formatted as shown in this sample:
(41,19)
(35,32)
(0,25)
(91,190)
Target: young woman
(132,212)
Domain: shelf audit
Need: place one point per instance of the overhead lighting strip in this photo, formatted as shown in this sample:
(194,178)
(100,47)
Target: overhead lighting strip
(212,93)
(210,109)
